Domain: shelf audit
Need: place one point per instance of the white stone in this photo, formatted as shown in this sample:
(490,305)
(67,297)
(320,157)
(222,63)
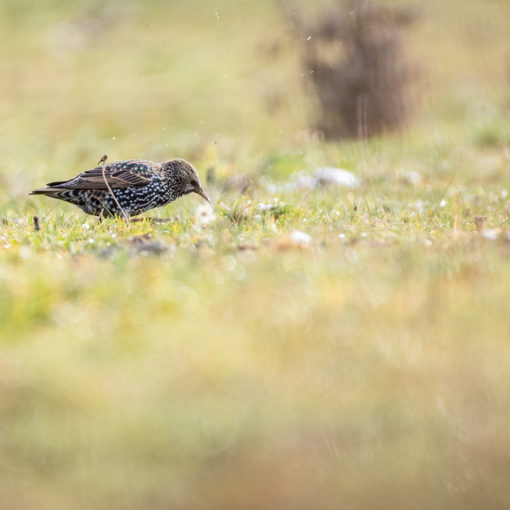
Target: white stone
(337,176)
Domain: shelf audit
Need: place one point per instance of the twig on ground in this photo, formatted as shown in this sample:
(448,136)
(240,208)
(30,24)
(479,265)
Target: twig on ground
(36,223)
(102,162)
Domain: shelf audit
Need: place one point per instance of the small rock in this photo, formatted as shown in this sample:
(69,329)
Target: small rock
(296,239)
(490,233)
(301,238)
(336,176)
(144,245)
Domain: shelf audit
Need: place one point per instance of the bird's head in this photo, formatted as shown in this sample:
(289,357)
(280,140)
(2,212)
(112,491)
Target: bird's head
(183,178)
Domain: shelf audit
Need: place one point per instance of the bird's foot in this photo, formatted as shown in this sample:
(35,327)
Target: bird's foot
(153,220)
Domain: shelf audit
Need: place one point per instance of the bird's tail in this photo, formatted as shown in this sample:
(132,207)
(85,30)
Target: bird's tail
(46,191)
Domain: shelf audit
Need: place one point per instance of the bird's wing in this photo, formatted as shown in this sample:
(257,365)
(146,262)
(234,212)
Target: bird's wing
(122,174)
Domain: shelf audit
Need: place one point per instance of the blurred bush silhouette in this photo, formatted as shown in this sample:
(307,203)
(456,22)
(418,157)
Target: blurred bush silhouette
(358,69)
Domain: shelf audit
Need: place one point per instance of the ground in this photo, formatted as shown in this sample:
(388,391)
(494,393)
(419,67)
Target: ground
(220,359)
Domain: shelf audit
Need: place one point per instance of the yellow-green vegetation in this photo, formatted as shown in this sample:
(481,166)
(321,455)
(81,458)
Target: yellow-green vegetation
(227,364)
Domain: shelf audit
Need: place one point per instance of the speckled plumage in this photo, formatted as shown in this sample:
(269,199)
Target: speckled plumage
(137,185)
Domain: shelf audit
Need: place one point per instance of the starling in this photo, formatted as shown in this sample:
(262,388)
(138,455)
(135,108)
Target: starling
(137,185)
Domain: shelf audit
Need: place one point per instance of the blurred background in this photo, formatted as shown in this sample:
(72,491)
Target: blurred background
(235,374)
(239,81)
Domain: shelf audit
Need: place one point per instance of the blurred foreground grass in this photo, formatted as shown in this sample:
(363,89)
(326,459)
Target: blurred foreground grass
(224,366)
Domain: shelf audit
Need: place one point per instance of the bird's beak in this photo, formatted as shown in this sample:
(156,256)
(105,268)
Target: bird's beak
(203,194)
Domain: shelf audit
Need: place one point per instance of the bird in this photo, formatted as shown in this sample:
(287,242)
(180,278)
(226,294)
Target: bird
(137,186)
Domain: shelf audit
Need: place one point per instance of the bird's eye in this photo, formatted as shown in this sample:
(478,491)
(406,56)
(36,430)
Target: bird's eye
(194,183)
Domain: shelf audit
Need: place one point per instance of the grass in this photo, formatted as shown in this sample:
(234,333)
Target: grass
(182,365)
